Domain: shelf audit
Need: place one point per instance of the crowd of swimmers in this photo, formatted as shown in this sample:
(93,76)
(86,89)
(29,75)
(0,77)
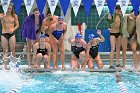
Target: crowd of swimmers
(45,36)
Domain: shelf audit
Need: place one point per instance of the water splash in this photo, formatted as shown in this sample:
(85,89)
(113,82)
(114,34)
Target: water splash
(14,62)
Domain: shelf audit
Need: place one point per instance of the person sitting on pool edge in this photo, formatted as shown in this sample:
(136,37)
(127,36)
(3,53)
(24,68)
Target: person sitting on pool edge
(92,50)
(42,51)
(78,47)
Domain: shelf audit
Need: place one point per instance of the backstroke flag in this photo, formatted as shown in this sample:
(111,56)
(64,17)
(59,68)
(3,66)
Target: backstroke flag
(123,5)
(52,5)
(75,5)
(139,3)
(111,5)
(17,5)
(28,5)
(41,5)
(5,5)
(64,5)
(135,5)
(99,5)
(87,5)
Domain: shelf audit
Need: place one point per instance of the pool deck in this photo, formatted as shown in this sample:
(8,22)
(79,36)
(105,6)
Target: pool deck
(104,56)
(106,70)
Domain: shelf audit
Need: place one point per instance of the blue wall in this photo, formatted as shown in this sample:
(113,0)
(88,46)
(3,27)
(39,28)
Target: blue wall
(103,46)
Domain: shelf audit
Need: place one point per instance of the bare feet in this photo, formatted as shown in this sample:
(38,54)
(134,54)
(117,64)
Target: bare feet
(63,66)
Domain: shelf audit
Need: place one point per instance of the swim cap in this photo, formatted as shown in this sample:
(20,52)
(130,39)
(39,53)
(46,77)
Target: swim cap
(60,17)
(78,35)
(42,35)
(91,36)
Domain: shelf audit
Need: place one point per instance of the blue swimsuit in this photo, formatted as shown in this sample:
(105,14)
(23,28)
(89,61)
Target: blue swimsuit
(57,34)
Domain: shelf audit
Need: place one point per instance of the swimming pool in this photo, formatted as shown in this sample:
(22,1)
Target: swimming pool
(68,82)
(132,81)
(72,82)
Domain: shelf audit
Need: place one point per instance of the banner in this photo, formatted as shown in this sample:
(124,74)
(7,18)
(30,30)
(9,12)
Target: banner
(52,5)
(87,5)
(111,5)
(135,5)
(139,3)
(99,5)
(28,5)
(5,5)
(75,5)
(123,5)
(41,5)
(64,5)
(17,5)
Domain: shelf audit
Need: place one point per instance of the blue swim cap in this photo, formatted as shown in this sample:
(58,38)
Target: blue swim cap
(42,35)
(78,35)
(91,36)
(60,17)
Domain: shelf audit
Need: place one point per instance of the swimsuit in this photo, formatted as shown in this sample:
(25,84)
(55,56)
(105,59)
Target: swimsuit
(42,51)
(47,35)
(115,34)
(76,50)
(8,35)
(94,51)
(57,34)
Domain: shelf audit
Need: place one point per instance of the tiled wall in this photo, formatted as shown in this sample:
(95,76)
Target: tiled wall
(21,17)
(90,20)
(93,18)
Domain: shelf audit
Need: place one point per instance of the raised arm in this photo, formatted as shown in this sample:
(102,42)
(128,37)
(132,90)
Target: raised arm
(71,40)
(2,15)
(109,18)
(101,39)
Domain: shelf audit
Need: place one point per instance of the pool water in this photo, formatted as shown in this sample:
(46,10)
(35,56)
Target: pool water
(68,82)
(132,81)
(72,82)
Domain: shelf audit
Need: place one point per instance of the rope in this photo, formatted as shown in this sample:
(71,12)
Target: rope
(121,85)
(101,20)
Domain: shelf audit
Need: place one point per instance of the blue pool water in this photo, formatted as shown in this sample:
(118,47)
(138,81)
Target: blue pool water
(72,82)
(132,81)
(68,82)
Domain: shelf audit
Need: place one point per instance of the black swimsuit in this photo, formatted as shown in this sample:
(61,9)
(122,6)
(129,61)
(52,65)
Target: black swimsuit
(94,51)
(115,34)
(76,50)
(42,51)
(8,35)
(47,35)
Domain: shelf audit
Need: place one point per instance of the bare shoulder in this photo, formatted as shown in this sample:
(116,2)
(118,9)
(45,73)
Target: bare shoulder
(84,41)
(36,44)
(53,25)
(56,17)
(65,24)
(44,20)
(126,15)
